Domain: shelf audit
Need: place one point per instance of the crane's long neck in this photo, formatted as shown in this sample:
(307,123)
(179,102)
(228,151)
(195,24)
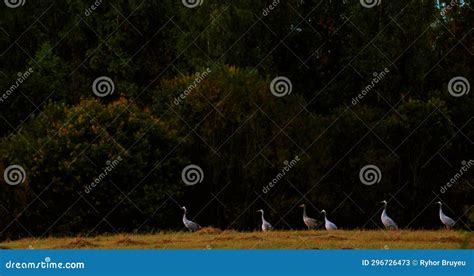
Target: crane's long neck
(440,209)
(304,212)
(325,219)
(384,212)
(184,215)
(263,219)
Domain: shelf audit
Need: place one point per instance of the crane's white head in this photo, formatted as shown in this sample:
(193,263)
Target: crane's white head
(302,205)
(439,202)
(184,208)
(261,211)
(323,211)
(384,202)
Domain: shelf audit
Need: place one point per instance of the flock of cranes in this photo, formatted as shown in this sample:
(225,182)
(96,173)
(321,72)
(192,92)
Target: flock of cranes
(312,223)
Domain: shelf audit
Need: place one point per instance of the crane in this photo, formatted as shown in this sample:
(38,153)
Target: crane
(328,224)
(447,221)
(266,226)
(386,220)
(191,225)
(311,223)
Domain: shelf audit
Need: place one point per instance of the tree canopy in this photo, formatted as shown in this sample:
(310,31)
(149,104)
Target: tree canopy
(193,85)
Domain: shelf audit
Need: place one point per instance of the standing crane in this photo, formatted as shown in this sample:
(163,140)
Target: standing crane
(328,224)
(447,221)
(311,223)
(266,226)
(386,220)
(191,225)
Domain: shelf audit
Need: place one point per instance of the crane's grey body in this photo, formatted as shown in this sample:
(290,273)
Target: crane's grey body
(447,221)
(328,224)
(191,225)
(311,223)
(386,220)
(266,226)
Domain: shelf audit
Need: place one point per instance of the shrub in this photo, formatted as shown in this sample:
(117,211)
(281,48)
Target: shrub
(90,167)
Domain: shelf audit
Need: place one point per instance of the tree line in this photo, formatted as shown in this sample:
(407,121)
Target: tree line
(369,86)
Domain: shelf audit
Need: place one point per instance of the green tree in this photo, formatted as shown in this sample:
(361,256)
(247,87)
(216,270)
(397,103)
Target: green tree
(112,161)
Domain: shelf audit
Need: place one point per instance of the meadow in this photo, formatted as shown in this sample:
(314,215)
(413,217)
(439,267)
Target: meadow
(210,238)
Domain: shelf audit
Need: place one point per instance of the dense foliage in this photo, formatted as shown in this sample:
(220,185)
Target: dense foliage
(192,86)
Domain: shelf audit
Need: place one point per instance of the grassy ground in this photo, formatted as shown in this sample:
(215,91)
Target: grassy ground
(209,238)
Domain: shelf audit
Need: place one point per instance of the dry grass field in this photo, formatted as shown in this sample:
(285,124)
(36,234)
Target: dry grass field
(209,238)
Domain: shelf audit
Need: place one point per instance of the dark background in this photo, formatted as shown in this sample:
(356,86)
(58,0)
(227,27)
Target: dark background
(231,125)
